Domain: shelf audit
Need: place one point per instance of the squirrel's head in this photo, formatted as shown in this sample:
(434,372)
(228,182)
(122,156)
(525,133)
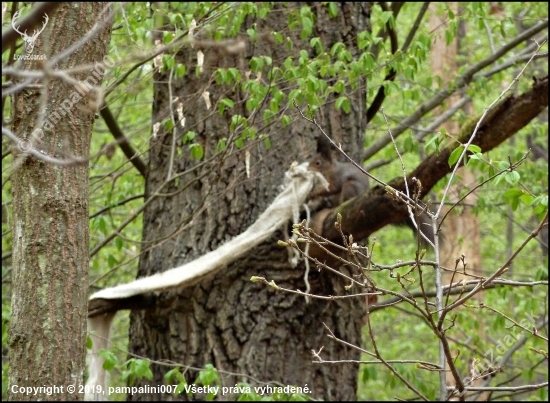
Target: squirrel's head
(322,161)
(319,163)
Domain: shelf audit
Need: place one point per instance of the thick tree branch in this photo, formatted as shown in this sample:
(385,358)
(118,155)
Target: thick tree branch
(102,306)
(381,95)
(415,26)
(395,8)
(376,208)
(125,146)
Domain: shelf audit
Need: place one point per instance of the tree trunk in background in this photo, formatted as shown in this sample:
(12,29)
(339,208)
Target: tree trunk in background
(47,332)
(460,229)
(239,326)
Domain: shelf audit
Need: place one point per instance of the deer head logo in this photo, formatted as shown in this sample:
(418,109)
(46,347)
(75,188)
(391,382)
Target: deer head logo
(29,40)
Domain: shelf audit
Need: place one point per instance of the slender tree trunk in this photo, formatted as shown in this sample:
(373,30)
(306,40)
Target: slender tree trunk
(47,332)
(461,228)
(239,326)
(461,235)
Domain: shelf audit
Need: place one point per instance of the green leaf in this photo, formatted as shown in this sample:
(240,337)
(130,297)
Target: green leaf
(252,34)
(289,63)
(256,64)
(167,37)
(386,15)
(303,57)
(332,9)
(503,165)
(369,373)
(293,96)
(541,200)
(111,261)
(343,103)
(316,44)
(512,177)
(188,137)
(477,156)
(236,121)
(455,155)
(433,144)
(168,124)
(274,106)
(174,375)
(340,87)
(526,199)
(410,145)
(450,14)
(109,359)
(249,133)
(197,151)
(336,48)
(180,70)
(267,142)
(102,225)
(142,370)
(208,376)
(267,115)
(181,388)
(307,23)
(222,145)
(168,62)
(474,149)
(278,37)
(512,193)
(225,103)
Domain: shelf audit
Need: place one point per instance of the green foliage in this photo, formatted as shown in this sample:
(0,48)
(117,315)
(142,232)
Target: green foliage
(209,377)
(110,360)
(174,376)
(134,369)
(457,153)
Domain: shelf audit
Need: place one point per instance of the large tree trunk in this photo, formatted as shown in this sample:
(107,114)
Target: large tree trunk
(239,326)
(50,206)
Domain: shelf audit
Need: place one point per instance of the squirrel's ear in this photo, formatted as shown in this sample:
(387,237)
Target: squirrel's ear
(323,147)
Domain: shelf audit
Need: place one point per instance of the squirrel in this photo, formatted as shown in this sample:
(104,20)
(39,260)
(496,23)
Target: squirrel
(345,180)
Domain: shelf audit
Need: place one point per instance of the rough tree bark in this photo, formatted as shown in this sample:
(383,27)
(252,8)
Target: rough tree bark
(238,326)
(47,332)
